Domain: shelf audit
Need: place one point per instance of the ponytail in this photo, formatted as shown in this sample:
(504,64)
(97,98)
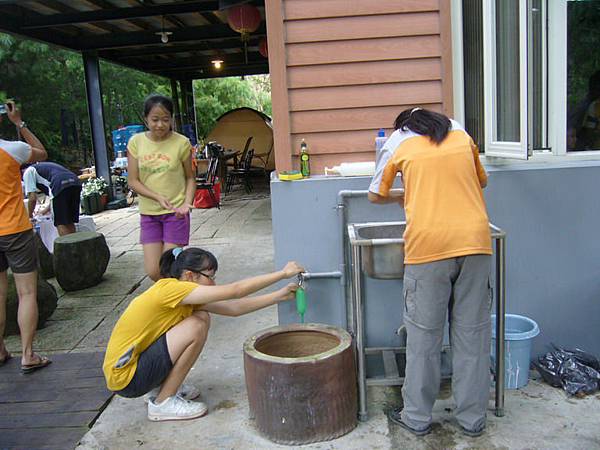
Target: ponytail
(424,122)
(174,261)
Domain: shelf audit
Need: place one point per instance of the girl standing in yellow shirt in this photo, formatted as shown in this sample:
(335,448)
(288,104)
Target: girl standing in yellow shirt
(160,335)
(160,171)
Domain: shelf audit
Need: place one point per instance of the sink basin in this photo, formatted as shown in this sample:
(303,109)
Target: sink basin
(382,245)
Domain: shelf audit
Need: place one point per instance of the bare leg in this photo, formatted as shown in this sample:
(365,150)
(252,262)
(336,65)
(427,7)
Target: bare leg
(169,246)
(27,317)
(185,342)
(66,229)
(3,295)
(152,254)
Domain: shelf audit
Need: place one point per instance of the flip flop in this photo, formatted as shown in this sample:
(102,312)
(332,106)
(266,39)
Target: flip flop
(28,368)
(5,359)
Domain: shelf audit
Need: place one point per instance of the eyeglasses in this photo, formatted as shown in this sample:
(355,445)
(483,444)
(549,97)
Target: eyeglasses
(210,277)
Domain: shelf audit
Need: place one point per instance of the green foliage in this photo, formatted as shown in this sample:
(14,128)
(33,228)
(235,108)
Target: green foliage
(94,186)
(47,82)
(582,41)
(214,97)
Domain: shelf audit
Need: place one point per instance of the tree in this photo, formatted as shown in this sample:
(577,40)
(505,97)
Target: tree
(49,86)
(215,96)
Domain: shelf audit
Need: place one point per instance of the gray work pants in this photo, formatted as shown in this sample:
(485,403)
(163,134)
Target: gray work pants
(460,288)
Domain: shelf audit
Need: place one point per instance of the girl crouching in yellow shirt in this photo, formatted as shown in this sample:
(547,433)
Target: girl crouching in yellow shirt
(160,335)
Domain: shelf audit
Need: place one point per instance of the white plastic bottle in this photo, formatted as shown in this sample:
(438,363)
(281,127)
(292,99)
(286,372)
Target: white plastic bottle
(379,141)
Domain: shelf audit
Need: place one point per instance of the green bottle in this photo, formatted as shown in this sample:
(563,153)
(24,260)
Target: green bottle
(304,159)
(301,302)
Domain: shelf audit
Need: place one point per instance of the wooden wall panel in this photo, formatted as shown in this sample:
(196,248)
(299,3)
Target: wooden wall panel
(311,9)
(373,72)
(349,119)
(352,28)
(363,50)
(312,99)
(345,68)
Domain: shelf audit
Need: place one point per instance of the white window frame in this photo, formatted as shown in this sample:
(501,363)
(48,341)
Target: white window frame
(494,147)
(556,67)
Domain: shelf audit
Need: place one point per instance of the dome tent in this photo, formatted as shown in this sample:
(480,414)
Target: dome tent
(234,127)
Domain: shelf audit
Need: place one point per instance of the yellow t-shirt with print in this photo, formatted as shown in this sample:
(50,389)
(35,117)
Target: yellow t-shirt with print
(160,167)
(147,318)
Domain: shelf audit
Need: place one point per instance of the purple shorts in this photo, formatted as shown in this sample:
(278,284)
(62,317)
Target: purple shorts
(165,228)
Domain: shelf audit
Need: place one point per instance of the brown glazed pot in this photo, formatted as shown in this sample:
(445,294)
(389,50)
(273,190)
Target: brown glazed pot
(301,383)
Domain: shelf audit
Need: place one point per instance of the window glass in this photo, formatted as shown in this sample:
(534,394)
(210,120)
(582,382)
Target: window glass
(473,71)
(583,75)
(507,71)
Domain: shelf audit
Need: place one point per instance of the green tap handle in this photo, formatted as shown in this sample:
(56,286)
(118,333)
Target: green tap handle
(301,302)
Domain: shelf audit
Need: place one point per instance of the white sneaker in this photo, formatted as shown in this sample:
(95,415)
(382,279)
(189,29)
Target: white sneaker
(175,408)
(185,391)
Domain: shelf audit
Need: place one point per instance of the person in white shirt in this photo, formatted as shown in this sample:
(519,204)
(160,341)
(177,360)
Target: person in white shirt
(17,248)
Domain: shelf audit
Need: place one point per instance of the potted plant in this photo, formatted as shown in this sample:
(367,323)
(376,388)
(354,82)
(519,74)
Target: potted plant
(92,192)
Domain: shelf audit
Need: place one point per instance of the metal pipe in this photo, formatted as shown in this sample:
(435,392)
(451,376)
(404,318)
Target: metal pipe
(344,247)
(315,275)
(360,344)
(500,311)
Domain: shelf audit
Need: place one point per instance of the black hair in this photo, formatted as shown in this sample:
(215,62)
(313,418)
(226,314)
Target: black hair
(157,100)
(424,122)
(193,259)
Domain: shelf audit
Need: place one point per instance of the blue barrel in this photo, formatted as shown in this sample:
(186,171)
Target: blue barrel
(519,331)
(121,137)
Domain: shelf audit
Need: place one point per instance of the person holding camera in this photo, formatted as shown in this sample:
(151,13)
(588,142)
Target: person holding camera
(17,247)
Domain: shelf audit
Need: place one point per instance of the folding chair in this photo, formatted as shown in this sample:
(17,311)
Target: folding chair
(242,174)
(211,179)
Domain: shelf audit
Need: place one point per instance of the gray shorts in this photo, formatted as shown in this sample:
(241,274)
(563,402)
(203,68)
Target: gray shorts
(18,252)
(154,364)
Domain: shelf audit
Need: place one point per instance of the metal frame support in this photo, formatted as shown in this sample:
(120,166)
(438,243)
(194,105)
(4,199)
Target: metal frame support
(176,106)
(93,90)
(187,95)
(352,280)
(500,321)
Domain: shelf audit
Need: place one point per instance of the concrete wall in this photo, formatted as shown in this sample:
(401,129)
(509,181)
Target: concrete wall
(550,213)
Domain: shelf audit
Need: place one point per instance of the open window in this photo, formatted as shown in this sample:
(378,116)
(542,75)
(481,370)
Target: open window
(505,78)
(531,76)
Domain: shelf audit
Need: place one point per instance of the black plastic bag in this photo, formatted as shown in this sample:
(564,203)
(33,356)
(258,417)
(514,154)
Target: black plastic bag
(576,371)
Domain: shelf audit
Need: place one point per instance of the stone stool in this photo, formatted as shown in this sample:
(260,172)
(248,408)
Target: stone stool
(80,260)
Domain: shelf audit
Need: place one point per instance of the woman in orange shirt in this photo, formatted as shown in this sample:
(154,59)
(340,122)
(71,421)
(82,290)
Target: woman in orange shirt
(447,264)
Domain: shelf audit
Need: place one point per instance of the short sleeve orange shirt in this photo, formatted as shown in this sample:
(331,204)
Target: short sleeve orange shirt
(445,210)
(13,216)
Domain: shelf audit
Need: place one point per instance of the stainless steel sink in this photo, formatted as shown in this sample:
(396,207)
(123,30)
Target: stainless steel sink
(382,246)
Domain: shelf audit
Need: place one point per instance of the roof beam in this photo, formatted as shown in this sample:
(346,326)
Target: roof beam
(187,64)
(139,38)
(103,15)
(211,73)
(162,49)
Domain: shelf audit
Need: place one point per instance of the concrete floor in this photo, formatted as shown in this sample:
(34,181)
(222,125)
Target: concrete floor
(537,417)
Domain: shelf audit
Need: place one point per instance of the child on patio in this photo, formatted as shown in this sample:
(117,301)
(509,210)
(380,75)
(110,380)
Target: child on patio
(159,162)
(160,335)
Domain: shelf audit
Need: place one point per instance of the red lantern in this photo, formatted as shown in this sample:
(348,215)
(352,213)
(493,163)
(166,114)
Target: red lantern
(244,19)
(263,47)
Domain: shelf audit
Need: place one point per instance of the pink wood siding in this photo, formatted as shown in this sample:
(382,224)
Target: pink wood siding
(342,69)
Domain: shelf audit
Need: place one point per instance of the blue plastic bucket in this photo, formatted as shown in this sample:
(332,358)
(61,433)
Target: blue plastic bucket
(518,334)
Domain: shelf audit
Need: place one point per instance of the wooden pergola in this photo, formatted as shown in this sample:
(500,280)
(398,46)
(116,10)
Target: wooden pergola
(132,33)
